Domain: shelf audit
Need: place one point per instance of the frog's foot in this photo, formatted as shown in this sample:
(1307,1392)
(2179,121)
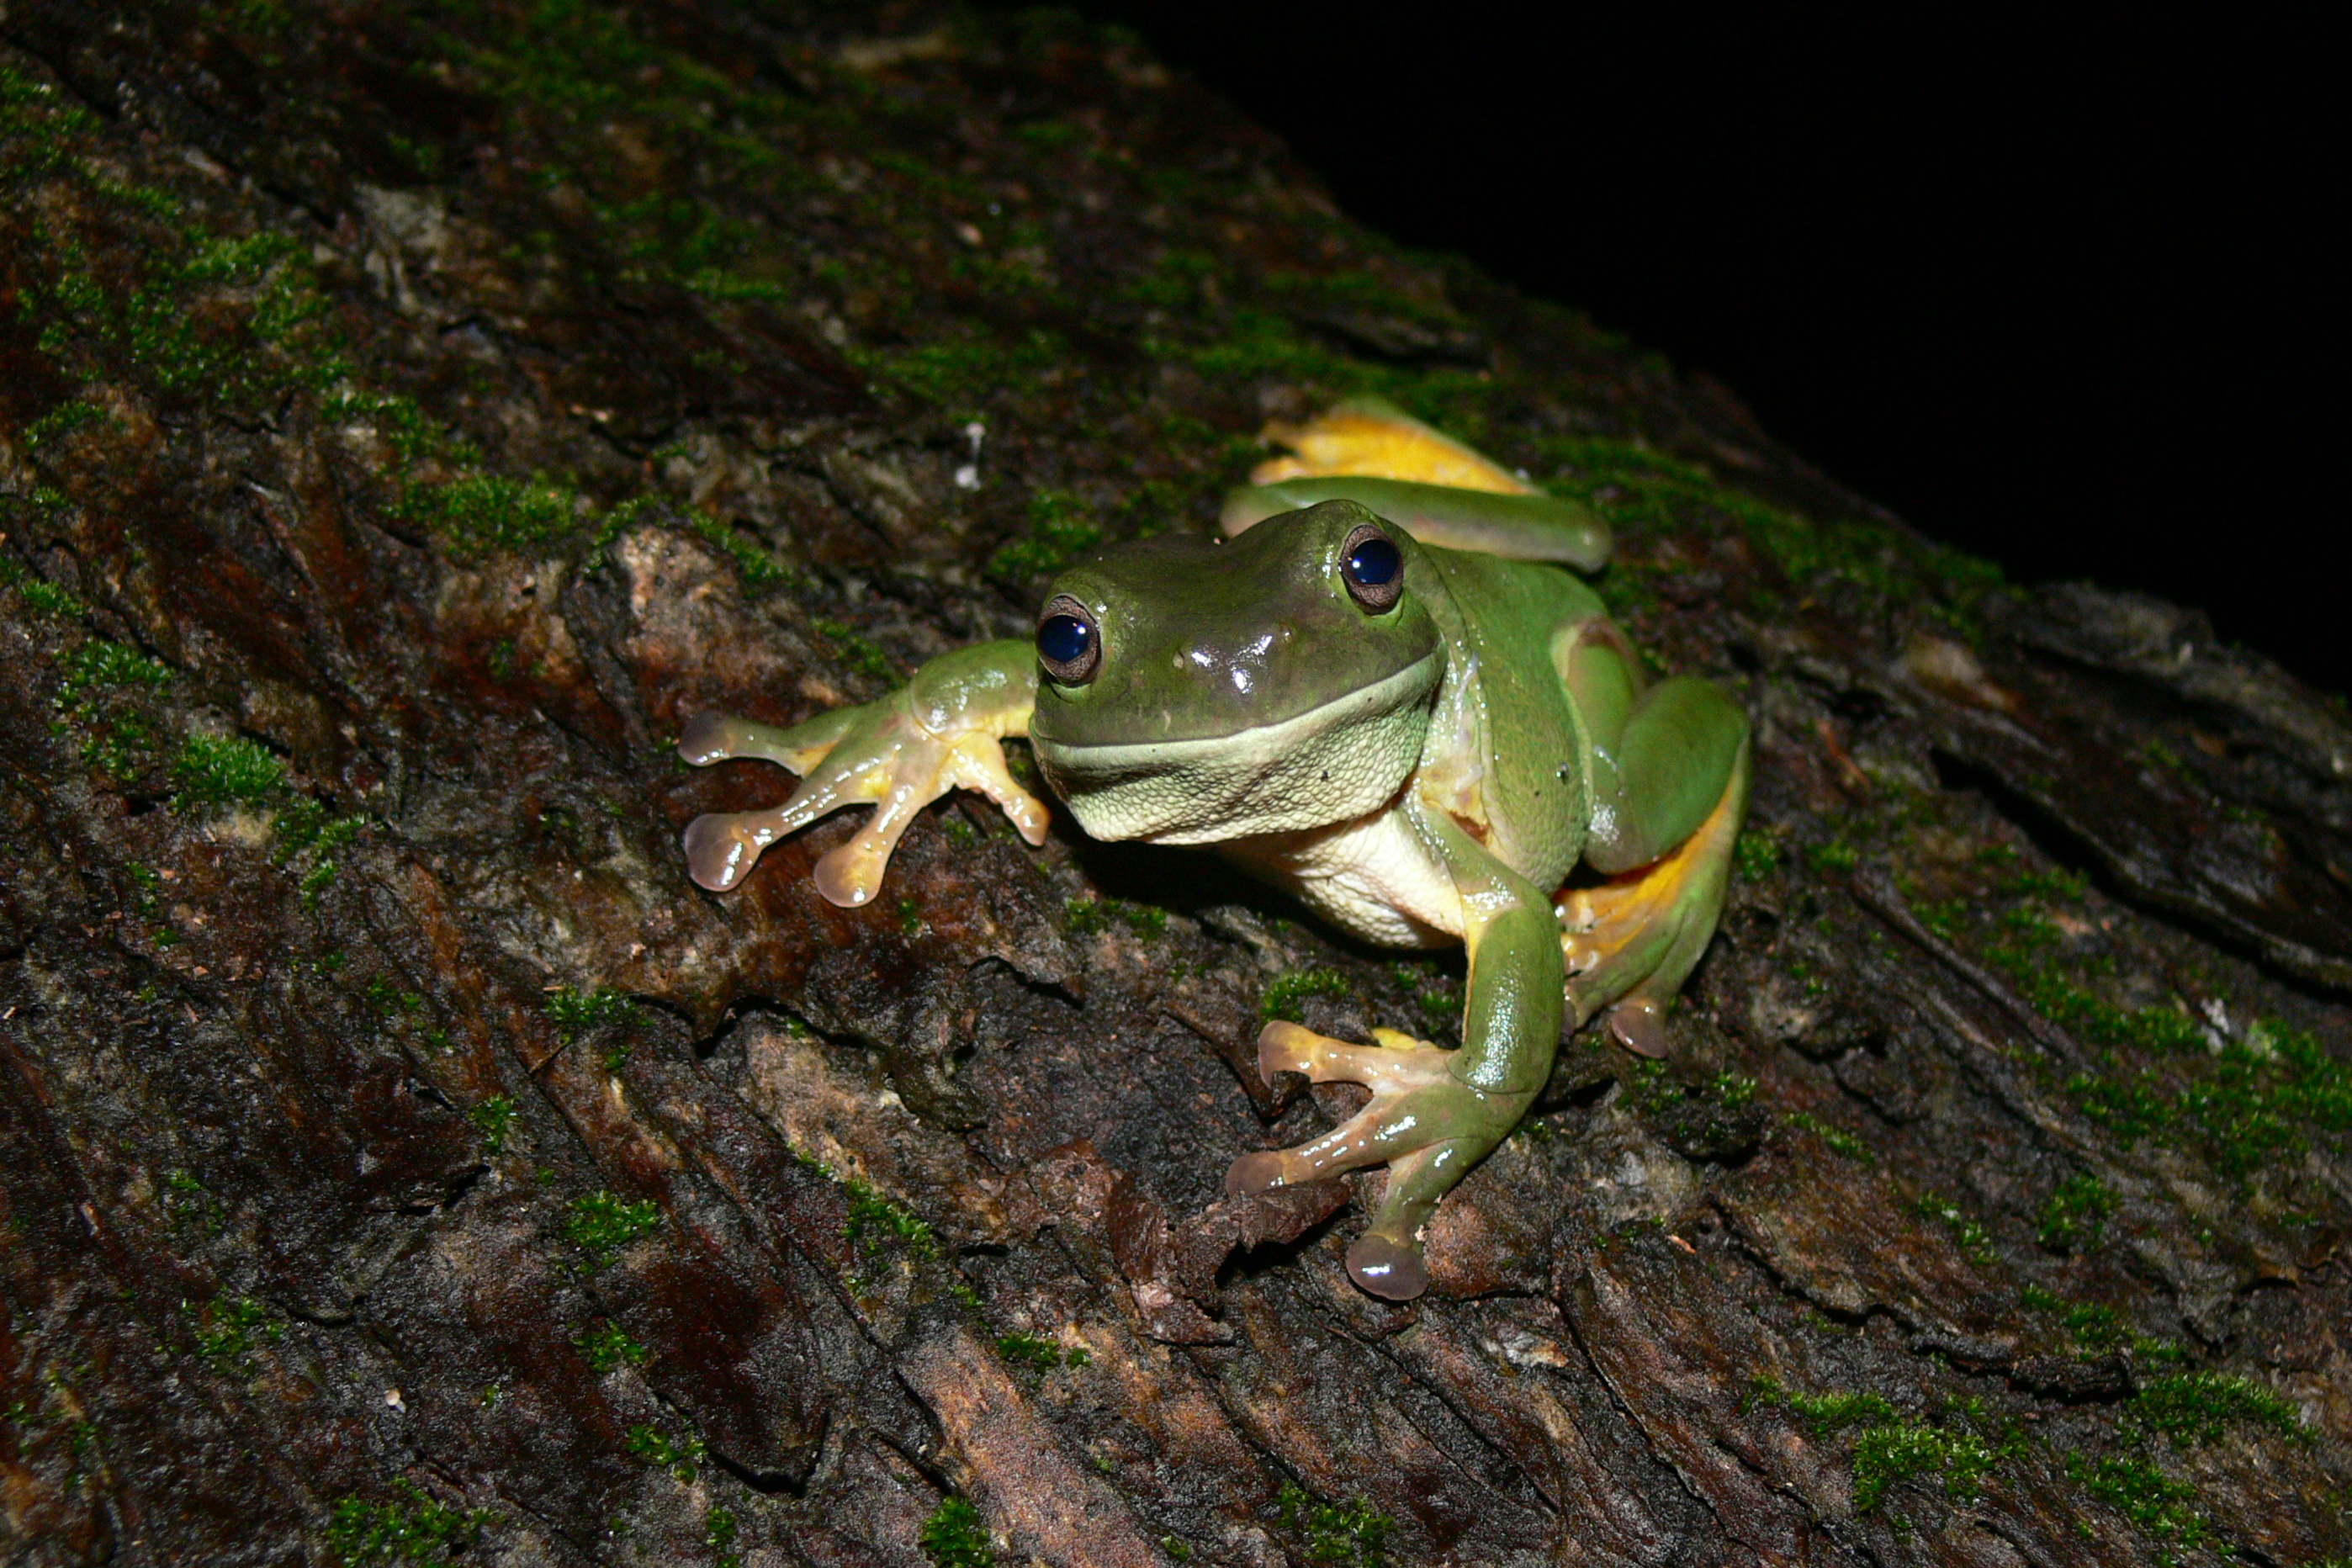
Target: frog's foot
(1428,1125)
(877,752)
(1630,941)
(1372,438)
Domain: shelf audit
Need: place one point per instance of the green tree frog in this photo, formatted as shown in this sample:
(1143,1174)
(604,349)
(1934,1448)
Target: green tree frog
(1380,692)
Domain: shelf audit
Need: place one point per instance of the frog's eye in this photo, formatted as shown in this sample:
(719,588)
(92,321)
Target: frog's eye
(1373,569)
(1069,644)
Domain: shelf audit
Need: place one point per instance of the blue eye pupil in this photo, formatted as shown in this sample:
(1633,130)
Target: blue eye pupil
(1374,562)
(1064,639)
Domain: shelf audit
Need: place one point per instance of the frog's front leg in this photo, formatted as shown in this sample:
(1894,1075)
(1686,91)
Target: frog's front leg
(1434,1113)
(938,731)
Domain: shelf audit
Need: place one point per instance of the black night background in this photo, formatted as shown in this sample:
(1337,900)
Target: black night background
(2050,290)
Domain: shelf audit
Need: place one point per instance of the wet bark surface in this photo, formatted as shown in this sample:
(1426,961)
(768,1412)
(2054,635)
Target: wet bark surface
(410,415)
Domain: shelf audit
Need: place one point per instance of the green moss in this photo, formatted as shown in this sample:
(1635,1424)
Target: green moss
(1732,1090)
(221,770)
(1085,916)
(2249,1102)
(59,423)
(1840,1141)
(1059,530)
(96,664)
(955,1536)
(304,827)
(1887,1450)
(659,1448)
(873,1217)
(862,654)
(963,375)
(1832,854)
(43,596)
(601,1224)
(1289,993)
(402,421)
(477,514)
(2192,1407)
(2145,1495)
(317,880)
(227,319)
(1041,1355)
(2098,1328)
(1822,1413)
(1971,1237)
(607,1345)
(1756,853)
(718,1528)
(2306,1081)
(1353,1534)
(227,1328)
(494,1118)
(413,1530)
(1887,1455)
(39,128)
(2075,1215)
(576,1013)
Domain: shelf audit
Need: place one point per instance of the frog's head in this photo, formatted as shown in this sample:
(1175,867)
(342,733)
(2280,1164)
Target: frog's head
(1190,692)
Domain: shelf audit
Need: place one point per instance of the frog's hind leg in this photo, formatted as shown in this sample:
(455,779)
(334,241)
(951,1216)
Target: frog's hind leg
(1374,438)
(1630,941)
(1436,489)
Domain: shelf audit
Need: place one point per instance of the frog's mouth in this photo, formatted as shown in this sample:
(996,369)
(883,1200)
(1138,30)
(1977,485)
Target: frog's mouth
(1332,763)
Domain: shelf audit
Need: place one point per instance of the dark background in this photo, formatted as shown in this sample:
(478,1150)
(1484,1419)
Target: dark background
(2052,290)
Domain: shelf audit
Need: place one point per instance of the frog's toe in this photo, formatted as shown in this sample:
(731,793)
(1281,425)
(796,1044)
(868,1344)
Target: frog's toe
(1398,1063)
(1387,1266)
(712,736)
(722,847)
(1639,1024)
(1419,1118)
(977,763)
(1254,1173)
(707,738)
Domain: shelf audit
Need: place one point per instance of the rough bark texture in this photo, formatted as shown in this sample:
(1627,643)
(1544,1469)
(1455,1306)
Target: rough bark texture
(409,414)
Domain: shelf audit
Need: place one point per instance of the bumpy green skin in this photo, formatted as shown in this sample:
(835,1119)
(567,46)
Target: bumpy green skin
(1422,774)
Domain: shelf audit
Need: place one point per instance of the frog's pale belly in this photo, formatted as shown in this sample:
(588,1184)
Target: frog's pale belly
(1372,877)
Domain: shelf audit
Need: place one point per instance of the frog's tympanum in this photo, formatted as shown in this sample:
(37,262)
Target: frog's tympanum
(1380,692)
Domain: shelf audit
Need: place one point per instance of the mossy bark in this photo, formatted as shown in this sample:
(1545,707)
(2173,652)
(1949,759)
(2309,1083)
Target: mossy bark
(410,414)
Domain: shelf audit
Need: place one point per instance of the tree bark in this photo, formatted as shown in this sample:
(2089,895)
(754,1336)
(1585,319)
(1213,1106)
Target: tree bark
(410,415)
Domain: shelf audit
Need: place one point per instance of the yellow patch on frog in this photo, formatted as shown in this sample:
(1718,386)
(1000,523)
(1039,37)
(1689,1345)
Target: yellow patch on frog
(1371,438)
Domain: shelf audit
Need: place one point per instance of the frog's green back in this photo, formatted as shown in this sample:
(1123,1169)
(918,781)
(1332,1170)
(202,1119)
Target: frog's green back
(1533,756)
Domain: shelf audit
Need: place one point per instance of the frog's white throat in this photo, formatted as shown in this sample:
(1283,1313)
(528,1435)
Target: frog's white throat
(1333,762)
